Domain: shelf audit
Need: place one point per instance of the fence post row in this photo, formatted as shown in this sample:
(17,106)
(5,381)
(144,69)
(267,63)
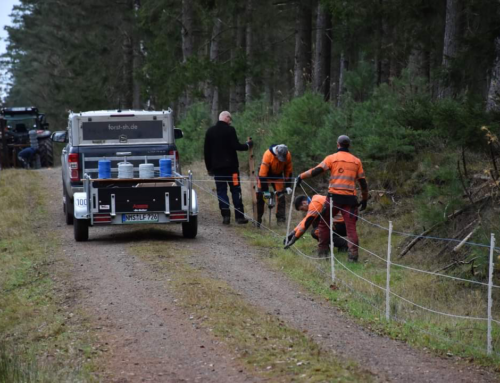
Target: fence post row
(388,278)
(490,299)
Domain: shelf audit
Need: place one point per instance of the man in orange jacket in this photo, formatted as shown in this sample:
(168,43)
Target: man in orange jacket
(275,170)
(345,170)
(317,214)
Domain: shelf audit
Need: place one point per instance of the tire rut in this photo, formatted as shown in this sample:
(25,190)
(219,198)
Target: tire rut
(148,336)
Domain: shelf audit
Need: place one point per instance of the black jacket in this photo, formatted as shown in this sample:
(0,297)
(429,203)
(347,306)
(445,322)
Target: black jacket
(221,144)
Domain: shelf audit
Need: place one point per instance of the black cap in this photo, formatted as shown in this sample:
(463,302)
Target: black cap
(298,201)
(344,141)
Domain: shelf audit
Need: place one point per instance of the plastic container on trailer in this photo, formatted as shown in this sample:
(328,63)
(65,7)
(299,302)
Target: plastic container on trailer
(125,170)
(146,171)
(104,169)
(165,167)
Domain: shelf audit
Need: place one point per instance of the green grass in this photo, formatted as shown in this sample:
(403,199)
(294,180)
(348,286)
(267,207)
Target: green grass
(444,335)
(40,343)
(262,342)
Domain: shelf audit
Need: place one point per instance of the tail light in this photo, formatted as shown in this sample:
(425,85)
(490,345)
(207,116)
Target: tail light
(74,166)
(176,154)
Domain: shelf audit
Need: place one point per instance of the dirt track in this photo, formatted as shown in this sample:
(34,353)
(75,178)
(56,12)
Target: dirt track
(150,338)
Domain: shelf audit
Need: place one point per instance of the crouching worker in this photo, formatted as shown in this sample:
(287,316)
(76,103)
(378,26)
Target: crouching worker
(339,232)
(27,156)
(317,212)
(276,171)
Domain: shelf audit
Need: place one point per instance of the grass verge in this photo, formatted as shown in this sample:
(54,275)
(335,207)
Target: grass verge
(263,343)
(443,335)
(40,342)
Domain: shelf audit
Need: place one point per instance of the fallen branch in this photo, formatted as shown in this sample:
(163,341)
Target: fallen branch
(451,216)
(456,263)
(460,233)
(459,246)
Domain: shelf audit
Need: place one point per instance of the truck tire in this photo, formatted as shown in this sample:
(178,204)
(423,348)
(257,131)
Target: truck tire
(68,208)
(190,229)
(81,230)
(46,152)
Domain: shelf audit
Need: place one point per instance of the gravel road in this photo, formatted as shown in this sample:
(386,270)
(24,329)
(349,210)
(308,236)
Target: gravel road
(151,339)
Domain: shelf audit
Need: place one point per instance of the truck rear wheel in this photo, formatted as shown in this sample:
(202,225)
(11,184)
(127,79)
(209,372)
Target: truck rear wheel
(68,208)
(46,152)
(190,229)
(81,230)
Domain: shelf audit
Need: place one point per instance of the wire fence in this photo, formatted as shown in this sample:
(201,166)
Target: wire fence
(334,260)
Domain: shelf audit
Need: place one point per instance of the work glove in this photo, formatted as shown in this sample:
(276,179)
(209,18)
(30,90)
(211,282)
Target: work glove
(363,205)
(289,191)
(290,238)
(298,180)
(250,144)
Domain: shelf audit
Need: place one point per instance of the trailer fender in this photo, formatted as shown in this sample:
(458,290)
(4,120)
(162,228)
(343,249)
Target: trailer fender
(80,204)
(194,203)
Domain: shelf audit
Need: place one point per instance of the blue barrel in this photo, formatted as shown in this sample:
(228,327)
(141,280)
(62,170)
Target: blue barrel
(104,169)
(165,167)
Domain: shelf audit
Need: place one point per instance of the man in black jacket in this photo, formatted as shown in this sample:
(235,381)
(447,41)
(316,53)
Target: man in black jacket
(221,160)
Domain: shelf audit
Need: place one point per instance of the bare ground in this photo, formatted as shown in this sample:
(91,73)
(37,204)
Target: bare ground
(150,338)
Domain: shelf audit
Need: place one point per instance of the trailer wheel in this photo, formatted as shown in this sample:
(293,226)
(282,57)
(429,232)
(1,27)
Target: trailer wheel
(81,230)
(190,229)
(68,208)
(46,152)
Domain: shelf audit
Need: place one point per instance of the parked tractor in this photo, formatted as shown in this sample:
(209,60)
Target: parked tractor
(15,126)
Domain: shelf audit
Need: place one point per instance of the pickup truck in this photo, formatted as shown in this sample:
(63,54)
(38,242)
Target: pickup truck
(92,197)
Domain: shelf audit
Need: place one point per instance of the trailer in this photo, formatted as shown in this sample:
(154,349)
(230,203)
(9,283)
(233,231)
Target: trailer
(135,201)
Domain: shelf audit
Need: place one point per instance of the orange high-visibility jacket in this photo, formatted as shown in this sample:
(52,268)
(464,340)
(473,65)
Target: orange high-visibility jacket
(345,170)
(271,166)
(315,209)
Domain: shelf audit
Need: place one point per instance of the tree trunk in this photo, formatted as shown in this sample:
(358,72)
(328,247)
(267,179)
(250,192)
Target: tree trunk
(214,57)
(128,71)
(187,48)
(322,56)
(303,30)
(384,50)
(344,67)
(137,63)
(237,91)
(493,101)
(450,46)
(249,52)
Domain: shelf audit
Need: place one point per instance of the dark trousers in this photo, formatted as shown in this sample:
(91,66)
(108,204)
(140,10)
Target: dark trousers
(339,231)
(223,179)
(280,203)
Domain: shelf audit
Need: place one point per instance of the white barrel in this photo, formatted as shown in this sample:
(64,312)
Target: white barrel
(125,170)
(146,171)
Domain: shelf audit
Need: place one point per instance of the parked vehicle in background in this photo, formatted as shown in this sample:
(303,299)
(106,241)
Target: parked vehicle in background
(122,167)
(15,136)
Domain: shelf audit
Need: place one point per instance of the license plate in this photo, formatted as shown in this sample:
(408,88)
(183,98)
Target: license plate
(140,218)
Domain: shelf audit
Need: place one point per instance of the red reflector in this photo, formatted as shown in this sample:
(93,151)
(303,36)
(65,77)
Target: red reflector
(73,165)
(178,216)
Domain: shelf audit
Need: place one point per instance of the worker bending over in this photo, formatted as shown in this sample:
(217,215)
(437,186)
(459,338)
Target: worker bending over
(276,171)
(318,215)
(339,232)
(345,170)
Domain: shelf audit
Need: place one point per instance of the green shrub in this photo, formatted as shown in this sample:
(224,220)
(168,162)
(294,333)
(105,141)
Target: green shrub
(194,126)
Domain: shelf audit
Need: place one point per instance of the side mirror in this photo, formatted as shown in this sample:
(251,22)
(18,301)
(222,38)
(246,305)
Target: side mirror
(178,133)
(60,136)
